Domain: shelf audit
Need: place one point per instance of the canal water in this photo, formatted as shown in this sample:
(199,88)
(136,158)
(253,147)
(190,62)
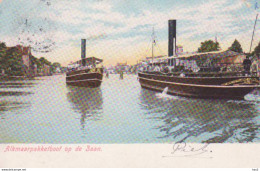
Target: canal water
(46,110)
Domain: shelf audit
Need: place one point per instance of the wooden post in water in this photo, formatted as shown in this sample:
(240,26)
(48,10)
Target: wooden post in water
(153,40)
(121,75)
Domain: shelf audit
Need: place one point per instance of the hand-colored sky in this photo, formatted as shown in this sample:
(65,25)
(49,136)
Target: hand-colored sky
(120,30)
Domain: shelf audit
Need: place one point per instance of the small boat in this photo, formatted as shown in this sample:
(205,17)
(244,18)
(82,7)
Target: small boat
(85,73)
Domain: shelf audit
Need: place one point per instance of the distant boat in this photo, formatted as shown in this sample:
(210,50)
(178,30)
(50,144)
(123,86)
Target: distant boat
(85,73)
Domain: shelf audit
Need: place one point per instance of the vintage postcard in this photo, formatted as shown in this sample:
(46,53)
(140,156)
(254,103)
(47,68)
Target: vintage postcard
(129,83)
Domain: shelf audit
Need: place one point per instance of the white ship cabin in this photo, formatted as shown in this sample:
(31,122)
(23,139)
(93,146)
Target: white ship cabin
(87,63)
(217,61)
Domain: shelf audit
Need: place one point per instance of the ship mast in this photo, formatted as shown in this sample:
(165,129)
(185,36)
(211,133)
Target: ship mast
(153,41)
(253,33)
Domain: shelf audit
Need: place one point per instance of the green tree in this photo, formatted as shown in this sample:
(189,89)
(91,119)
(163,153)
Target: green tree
(12,60)
(44,61)
(208,46)
(236,47)
(2,54)
(2,45)
(35,60)
(257,50)
(54,66)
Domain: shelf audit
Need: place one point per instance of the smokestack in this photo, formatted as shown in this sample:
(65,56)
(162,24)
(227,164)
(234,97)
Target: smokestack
(83,48)
(172,38)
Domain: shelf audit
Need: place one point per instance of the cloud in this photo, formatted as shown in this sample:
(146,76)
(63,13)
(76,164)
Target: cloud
(102,6)
(127,31)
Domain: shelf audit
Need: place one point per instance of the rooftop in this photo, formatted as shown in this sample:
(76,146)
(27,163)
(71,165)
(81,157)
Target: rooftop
(213,54)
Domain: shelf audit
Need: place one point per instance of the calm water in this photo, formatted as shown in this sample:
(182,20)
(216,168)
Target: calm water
(48,111)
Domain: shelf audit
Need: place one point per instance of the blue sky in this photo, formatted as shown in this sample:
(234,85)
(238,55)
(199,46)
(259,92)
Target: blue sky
(120,30)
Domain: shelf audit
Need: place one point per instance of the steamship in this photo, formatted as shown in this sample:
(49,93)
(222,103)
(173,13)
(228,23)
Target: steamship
(86,72)
(199,75)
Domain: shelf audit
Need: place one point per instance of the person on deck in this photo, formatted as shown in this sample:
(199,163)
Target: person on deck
(157,68)
(166,69)
(258,67)
(247,64)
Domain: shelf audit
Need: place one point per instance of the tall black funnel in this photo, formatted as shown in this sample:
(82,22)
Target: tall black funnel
(83,48)
(172,38)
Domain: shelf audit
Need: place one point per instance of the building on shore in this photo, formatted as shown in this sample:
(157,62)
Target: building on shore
(28,65)
(121,67)
(46,71)
(16,61)
(19,61)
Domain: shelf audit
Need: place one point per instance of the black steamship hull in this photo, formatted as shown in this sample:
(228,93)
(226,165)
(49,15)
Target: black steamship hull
(85,78)
(196,87)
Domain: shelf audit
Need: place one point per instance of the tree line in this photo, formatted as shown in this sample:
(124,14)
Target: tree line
(12,64)
(210,45)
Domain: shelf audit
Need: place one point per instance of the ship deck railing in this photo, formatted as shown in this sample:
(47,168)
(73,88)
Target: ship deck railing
(204,74)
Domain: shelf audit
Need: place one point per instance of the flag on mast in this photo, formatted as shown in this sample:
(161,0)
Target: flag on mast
(249,5)
(256,6)
(153,37)
(154,42)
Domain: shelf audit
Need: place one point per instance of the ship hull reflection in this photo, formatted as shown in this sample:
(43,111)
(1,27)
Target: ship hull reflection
(86,101)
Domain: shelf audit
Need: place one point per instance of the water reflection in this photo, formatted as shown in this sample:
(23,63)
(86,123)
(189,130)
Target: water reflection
(12,95)
(197,120)
(14,88)
(16,84)
(11,105)
(86,101)
(118,112)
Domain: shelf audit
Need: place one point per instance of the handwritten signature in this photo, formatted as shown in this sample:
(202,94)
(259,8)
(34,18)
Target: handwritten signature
(182,149)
